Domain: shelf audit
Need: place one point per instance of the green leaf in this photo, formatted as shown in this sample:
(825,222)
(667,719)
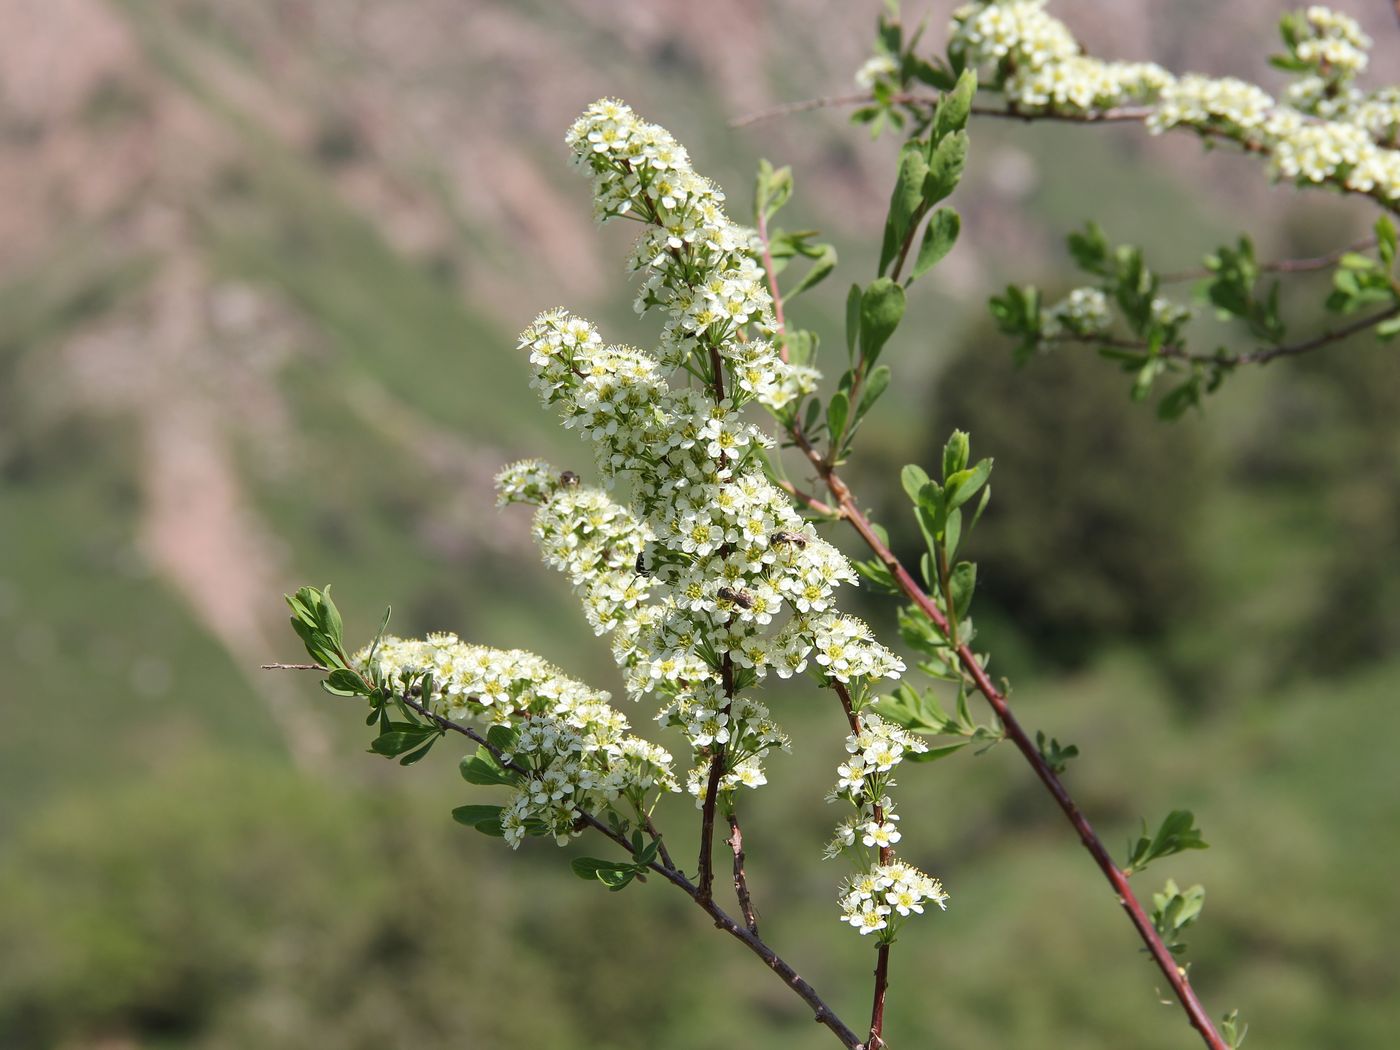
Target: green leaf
(396,741)
(344,682)
(486,819)
(379,636)
(955,452)
(962,582)
(965,484)
(952,530)
(837,410)
(1388,329)
(913,478)
(981,506)
(933,754)
(772,189)
(954,107)
(940,235)
(1090,251)
(876,383)
(1356,261)
(853,301)
(611,874)
(945,167)
(905,200)
(1233,1029)
(1385,240)
(331,621)
(482,769)
(824,263)
(881,309)
(1177,833)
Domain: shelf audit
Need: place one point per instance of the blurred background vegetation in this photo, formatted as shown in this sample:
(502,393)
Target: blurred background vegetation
(261,266)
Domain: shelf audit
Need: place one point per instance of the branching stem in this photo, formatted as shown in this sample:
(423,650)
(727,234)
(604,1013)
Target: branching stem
(823,1014)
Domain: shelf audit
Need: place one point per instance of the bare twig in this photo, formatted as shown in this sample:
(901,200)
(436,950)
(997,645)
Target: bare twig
(294,667)
(787,109)
(741,880)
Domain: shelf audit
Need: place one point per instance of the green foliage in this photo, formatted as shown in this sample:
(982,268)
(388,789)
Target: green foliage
(618,875)
(1057,757)
(1174,910)
(773,188)
(929,170)
(1233,1029)
(317,623)
(1156,345)
(1177,832)
(1094,534)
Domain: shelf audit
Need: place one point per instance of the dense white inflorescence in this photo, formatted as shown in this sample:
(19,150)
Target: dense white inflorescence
(689,557)
(1324,130)
(573,745)
(883,891)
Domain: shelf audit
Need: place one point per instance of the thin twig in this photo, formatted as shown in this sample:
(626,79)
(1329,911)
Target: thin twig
(1304,265)
(772,279)
(877,1008)
(807,498)
(741,880)
(1258,356)
(660,842)
(706,877)
(823,1013)
(787,109)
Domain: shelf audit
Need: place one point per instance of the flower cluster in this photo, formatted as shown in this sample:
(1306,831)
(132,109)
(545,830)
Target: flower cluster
(695,564)
(1084,311)
(569,748)
(1325,131)
(700,268)
(1331,42)
(875,900)
(877,69)
(883,890)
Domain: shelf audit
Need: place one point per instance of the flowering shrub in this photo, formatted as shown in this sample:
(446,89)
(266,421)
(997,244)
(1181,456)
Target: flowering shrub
(703,563)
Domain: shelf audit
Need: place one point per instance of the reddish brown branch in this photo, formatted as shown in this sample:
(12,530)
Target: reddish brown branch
(741,880)
(877,1008)
(1200,1020)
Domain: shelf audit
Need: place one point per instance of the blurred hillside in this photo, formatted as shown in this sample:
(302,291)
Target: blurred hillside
(261,266)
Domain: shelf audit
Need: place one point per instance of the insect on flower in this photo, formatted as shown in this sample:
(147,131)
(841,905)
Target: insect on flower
(743,599)
(794,538)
